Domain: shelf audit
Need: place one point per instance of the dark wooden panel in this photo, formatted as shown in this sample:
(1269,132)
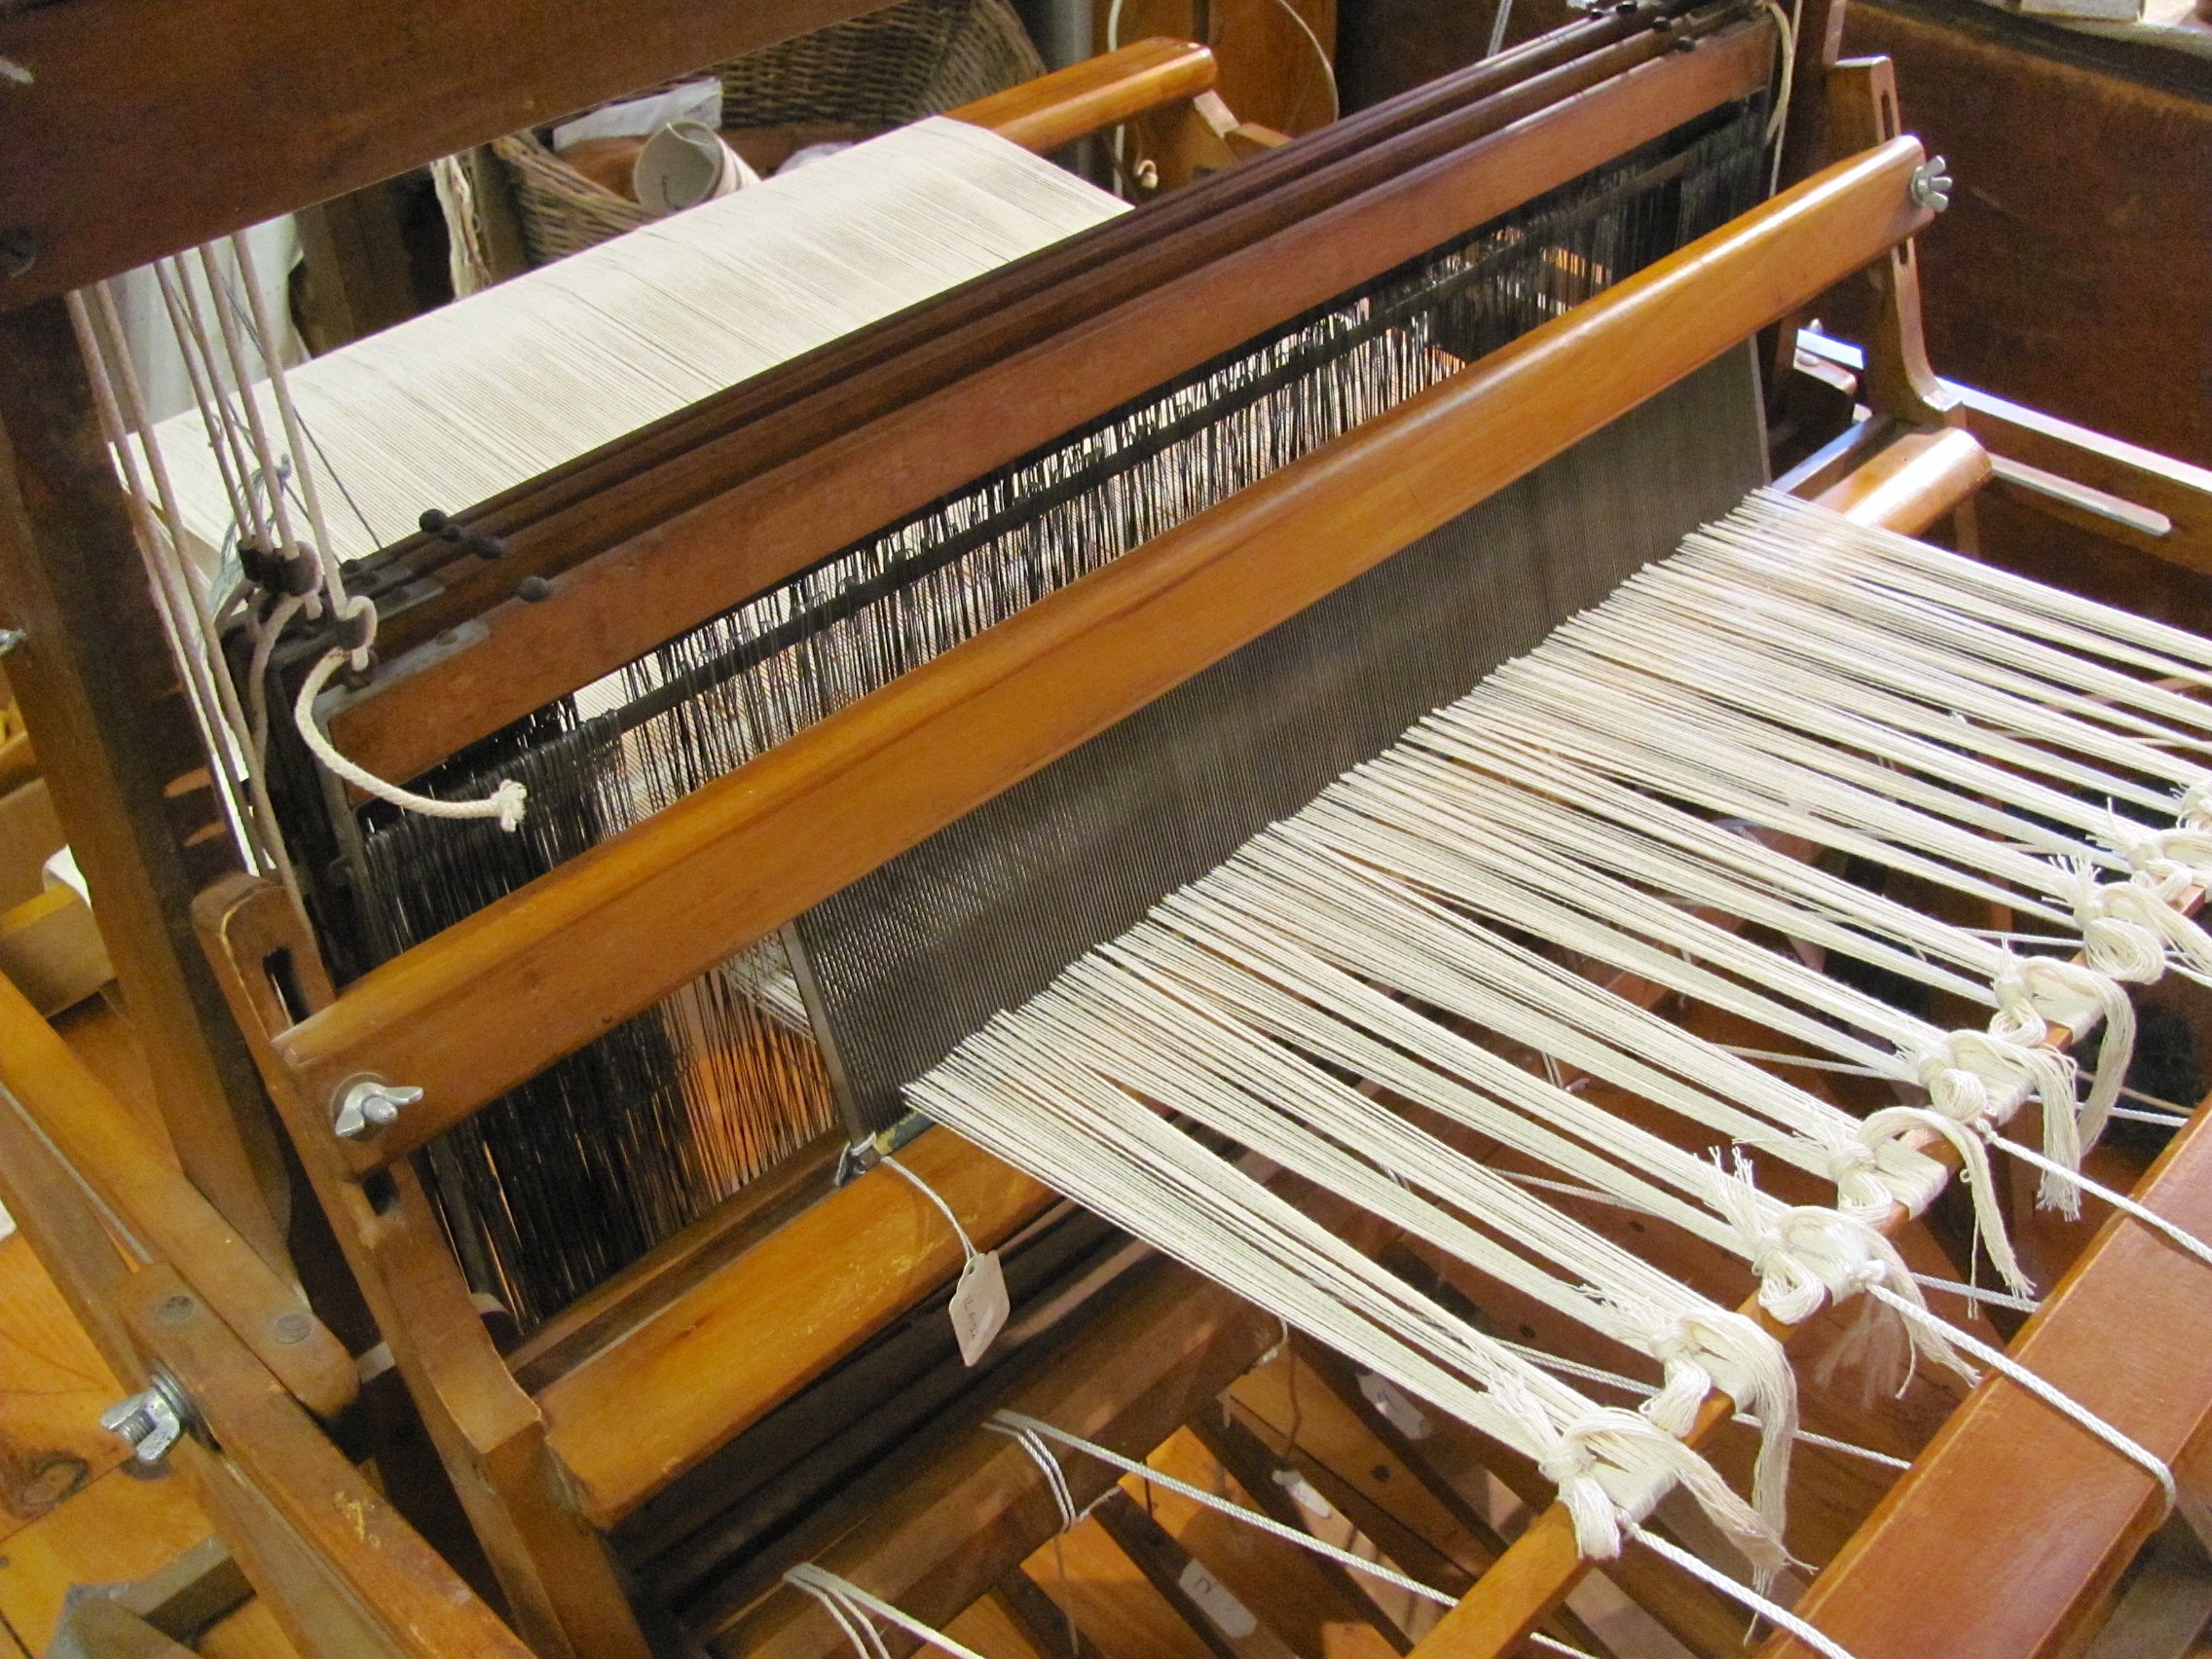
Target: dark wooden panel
(2070,272)
(136,128)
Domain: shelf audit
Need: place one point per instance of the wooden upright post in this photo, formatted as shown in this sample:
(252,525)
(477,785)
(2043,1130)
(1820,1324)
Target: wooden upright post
(116,742)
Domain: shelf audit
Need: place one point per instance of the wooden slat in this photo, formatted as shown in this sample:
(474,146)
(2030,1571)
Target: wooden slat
(2015,1522)
(1913,482)
(355,1578)
(197,120)
(561,961)
(95,1133)
(1056,109)
(118,746)
(1153,1357)
(834,481)
(634,1415)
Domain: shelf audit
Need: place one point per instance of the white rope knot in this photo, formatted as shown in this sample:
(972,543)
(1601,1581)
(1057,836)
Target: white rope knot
(1570,1464)
(1967,1138)
(2119,932)
(2151,899)
(2195,808)
(2182,852)
(1981,1078)
(506,804)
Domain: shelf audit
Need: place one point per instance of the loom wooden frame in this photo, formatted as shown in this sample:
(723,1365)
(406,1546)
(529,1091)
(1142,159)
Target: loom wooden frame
(508,1449)
(537,1471)
(341,1572)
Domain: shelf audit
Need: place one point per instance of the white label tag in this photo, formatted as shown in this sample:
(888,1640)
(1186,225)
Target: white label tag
(1400,1413)
(1231,1616)
(1301,1493)
(978,1306)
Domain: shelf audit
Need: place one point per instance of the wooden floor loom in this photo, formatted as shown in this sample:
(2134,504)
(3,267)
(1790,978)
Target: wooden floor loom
(633,1412)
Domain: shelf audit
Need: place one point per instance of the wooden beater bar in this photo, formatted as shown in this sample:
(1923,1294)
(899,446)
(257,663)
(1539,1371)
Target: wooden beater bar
(607,934)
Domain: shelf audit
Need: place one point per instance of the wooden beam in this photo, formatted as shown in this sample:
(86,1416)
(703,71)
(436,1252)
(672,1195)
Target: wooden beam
(1086,98)
(343,1572)
(275,109)
(2015,1522)
(1156,1356)
(577,951)
(811,480)
(121,754)
(632,1416)
(138,1186)
(1912,482)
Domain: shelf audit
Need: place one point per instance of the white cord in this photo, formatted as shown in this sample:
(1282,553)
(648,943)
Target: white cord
(1007,1420)
(849,1604)
(506,802)
(1771,1610)
(966,1245)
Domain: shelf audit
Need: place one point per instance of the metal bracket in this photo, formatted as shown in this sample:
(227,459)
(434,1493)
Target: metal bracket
(861,1156)
(366,1106)
(152,1420)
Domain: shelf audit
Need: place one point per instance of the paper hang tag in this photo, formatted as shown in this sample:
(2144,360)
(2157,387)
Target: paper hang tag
(1232,1618)
(1400,1413)
(978,1306)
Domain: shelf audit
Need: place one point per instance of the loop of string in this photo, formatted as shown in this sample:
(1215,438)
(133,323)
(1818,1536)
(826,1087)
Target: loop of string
(1019,1424)
(850,1606)
(1015,1429)
(506,803)
(968,1252)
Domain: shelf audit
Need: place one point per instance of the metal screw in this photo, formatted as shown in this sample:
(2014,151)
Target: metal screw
(369,1105)
(1932,184)
(12,639)
(19,251)
(174,1310)
(152,1420)
(532,589)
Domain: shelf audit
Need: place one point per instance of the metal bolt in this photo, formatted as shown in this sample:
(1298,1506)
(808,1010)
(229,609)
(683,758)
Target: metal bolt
(369,1105)
(291,1328)
(174,1310)
(1932,184)
(532,589)
(19,251)
(152,1420)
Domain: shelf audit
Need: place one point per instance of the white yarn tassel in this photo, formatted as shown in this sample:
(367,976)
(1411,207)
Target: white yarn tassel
(506,804)
(2053,979)
(1973,1165)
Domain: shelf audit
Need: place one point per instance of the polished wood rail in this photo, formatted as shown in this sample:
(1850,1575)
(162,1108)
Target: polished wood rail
(1056,109)
(554,966)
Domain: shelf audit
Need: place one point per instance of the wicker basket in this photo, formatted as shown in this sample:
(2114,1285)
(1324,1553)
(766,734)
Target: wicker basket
(915,58)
